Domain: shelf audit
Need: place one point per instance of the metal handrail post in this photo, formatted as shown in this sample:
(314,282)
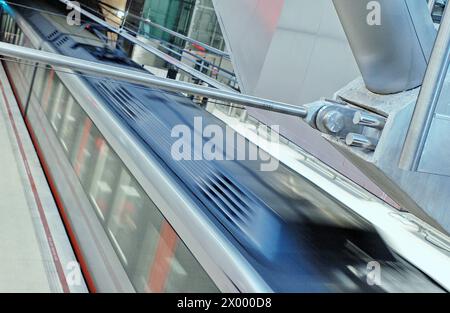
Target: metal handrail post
(428,97)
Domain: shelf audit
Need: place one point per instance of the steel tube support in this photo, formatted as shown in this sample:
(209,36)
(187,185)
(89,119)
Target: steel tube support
(428,97)
(139,77)
(391,49)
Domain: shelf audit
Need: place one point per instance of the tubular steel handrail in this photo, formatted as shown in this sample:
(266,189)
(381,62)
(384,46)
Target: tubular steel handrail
(200,61)
(147,79)
(428,98)
(169,31)
(121,32)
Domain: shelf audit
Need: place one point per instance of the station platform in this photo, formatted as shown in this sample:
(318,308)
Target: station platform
(35,252)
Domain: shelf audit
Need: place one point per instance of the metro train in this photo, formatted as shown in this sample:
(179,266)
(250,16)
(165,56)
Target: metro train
(141,221)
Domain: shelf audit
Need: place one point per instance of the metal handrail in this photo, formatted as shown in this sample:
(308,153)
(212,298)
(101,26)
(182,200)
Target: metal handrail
(202,62)
(180,65)
(221,71)
(428,97)
(146,79)
(173,46)
(199,61)
(169,31)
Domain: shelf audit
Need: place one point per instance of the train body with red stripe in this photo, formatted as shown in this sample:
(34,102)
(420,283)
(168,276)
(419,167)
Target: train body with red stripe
(139,220)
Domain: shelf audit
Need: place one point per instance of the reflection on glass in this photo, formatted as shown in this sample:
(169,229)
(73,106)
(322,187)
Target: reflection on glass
(186,274)
(69,125)
(104,179)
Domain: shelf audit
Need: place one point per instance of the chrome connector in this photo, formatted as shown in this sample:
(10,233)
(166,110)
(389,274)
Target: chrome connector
(361,141)
(369,120)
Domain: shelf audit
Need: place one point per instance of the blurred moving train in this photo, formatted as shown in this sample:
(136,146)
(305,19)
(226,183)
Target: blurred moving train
(141,221)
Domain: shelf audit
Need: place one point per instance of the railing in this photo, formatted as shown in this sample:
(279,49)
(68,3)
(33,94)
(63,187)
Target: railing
(140,77)
(153,50)
(213,68)
(166,30)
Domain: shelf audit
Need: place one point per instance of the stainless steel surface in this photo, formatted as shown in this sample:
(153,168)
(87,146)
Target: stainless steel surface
(391,41)
(337,120)
(428,100)
(435,157)
(186,68)
(334,121)
(147,79)
(357,140)
(369,120)
(422,193)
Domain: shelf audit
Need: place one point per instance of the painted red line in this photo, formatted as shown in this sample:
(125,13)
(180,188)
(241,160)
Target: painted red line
(164,253)
(49,237)
(13,87)
(62,211)
(61,208)
(76,247)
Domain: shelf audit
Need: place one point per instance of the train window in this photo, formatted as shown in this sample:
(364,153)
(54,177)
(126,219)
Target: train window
(28,69)
(141,271)
(50,95)
(104,179)
(70,125)
(45,87)
(172,267)
(154,257)
(14,35)
(186,274)
(58,105)
(40,81)
(87,153)
(131,210)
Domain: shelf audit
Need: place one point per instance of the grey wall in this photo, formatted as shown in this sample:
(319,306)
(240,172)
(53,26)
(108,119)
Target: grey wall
(290,50)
